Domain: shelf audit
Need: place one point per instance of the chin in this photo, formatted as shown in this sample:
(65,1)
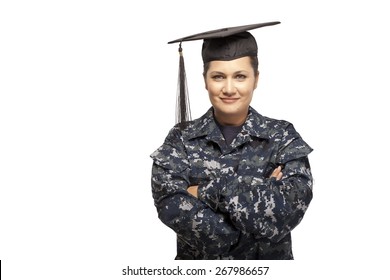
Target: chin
(232,112)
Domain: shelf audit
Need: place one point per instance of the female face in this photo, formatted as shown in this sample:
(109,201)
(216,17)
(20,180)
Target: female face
(230,85)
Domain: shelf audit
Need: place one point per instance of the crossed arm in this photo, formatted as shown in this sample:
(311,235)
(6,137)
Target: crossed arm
(209,217)
(277,174)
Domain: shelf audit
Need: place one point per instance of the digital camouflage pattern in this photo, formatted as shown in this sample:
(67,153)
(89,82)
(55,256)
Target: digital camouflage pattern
(240,212)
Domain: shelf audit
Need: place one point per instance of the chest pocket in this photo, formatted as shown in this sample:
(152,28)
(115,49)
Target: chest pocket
(258,158)
(204,160)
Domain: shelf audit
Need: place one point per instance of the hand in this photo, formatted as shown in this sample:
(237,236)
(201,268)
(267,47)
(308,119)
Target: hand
(277,173)
(193,190)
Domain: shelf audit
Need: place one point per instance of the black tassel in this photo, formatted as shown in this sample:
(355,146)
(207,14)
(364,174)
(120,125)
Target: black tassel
(183,112)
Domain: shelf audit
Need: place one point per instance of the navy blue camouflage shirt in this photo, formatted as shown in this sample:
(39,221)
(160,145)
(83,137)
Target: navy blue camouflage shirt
(240,213)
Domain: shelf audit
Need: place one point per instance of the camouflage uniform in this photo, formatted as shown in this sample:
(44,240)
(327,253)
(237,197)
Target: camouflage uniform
(240,212)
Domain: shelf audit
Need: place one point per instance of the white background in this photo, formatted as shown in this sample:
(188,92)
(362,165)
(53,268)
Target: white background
(87,93)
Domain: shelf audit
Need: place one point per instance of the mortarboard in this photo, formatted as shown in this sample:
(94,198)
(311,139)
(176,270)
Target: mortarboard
(219,44)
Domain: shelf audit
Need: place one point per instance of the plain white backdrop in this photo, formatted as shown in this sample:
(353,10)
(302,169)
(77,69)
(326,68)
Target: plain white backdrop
(87,93)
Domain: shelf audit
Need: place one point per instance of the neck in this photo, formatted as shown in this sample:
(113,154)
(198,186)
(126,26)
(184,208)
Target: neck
(230,119)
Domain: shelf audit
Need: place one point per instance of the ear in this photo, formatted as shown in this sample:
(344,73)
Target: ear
(257,77)
(205,83)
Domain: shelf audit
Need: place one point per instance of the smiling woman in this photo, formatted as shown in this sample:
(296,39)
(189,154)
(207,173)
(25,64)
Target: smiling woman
(231,90)
(232,184)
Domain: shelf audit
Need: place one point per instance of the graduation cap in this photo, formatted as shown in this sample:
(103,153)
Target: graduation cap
(219,44)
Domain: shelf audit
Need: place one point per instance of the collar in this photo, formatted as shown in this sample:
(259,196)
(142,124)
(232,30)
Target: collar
(205,126)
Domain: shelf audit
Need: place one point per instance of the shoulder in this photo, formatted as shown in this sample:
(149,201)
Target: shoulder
(201,126)
(267,127)
(287,139)
(181,132)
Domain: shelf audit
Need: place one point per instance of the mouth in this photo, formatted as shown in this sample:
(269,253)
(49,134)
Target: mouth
(229,100)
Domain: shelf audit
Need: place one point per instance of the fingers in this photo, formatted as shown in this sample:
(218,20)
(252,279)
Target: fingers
(193,190)
(279,176)
(277,173)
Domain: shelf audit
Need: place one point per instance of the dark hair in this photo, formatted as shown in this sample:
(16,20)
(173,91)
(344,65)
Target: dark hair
(254,63)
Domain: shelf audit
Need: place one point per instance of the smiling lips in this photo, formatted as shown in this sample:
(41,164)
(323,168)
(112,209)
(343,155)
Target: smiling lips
(229,100)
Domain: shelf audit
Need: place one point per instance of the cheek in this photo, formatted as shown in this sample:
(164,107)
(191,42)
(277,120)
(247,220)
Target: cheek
(213,88)
(243,90)
(247,89)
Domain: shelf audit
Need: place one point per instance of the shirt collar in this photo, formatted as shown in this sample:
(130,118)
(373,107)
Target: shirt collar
(255,125)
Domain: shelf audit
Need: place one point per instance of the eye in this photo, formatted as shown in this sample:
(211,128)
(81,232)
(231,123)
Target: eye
(240,77)
(217,77)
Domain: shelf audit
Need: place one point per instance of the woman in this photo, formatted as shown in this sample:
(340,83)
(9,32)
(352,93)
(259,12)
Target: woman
(232,184)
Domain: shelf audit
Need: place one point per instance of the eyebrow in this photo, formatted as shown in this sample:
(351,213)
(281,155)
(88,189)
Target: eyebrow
(223,73)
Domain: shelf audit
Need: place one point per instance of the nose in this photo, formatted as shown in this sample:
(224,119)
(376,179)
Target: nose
(229,87)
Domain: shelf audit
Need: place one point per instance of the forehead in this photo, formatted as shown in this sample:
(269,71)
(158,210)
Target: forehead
(239,64)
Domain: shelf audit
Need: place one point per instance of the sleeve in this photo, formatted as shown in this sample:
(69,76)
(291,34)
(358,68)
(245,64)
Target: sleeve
(193,221)
(266,207)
